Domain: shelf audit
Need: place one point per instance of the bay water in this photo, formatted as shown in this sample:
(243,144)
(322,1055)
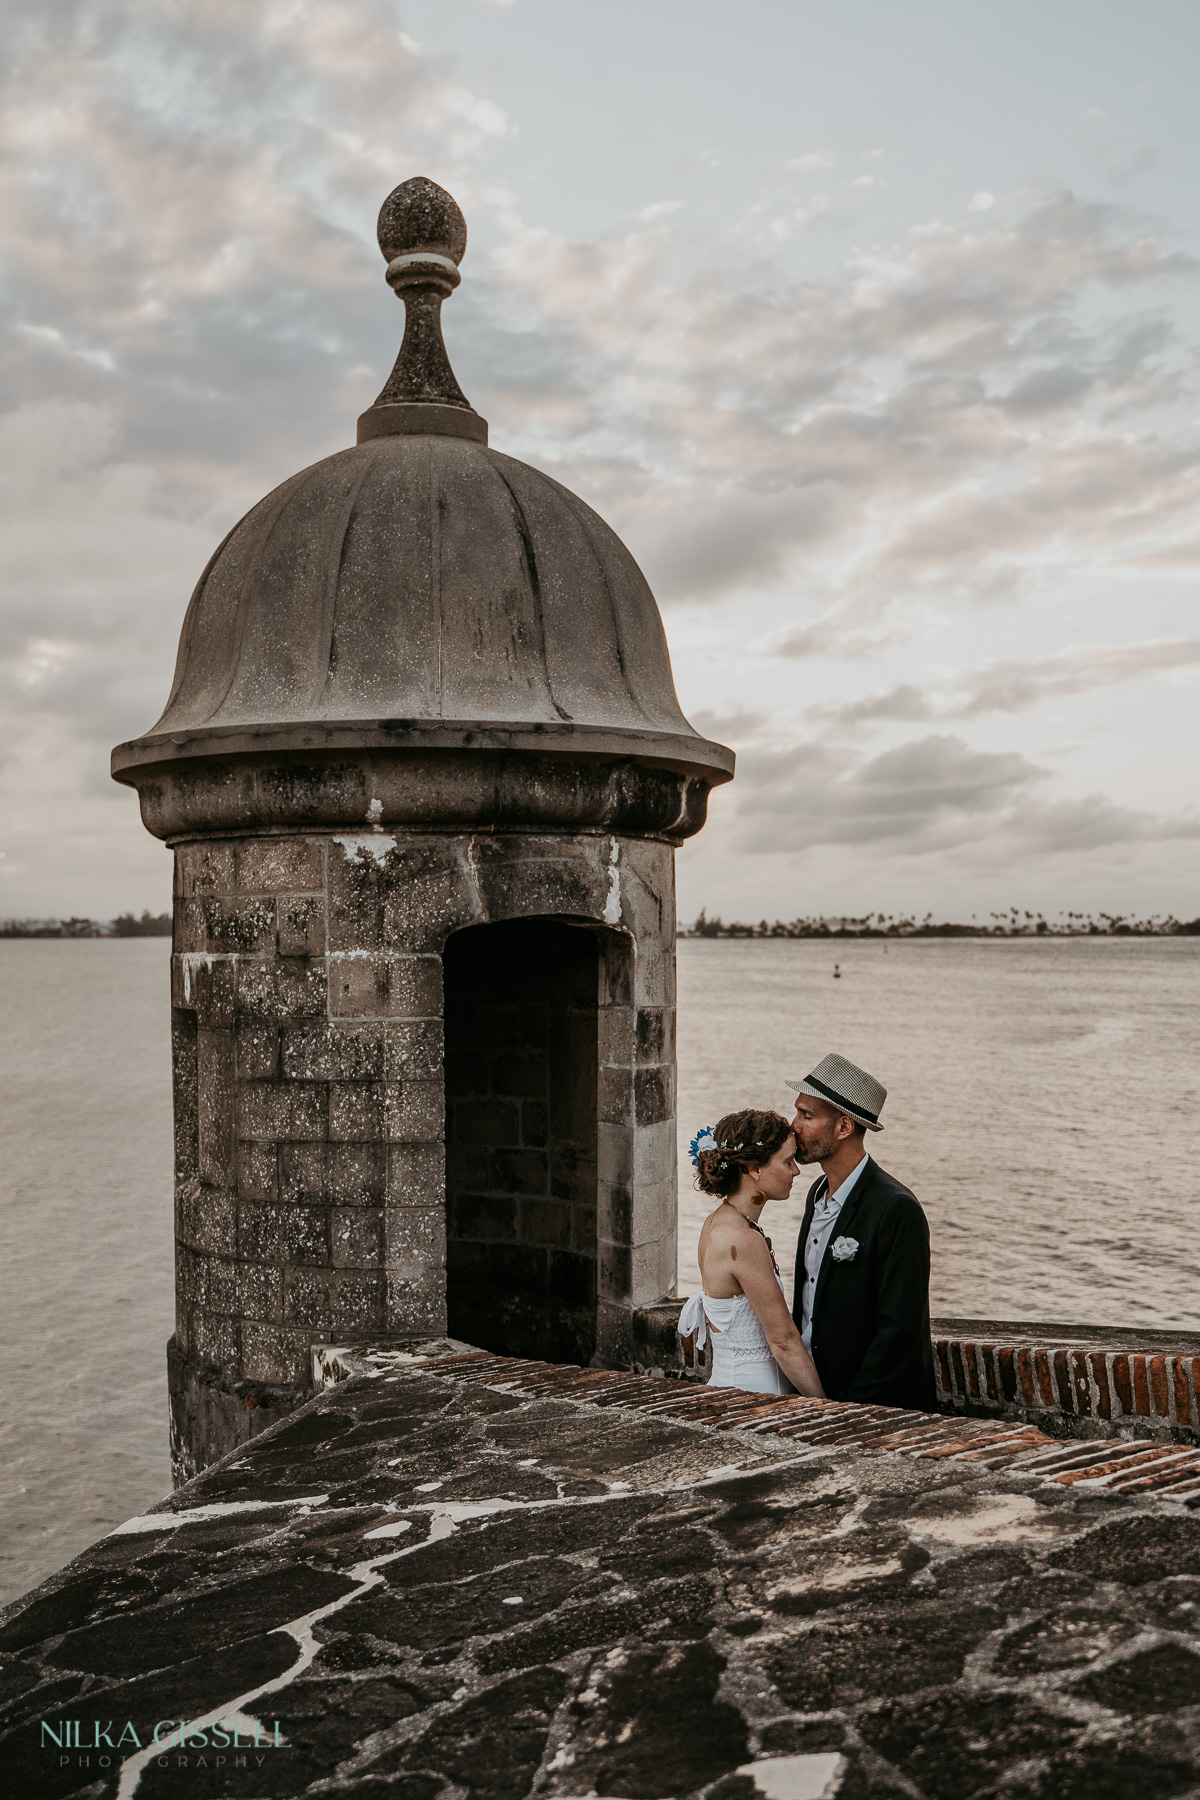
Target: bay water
(1042,1104)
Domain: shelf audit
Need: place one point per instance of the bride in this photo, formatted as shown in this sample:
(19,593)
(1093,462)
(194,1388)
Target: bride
(745,1161)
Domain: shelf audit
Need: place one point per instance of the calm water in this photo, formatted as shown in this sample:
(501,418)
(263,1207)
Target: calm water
(1042,1104)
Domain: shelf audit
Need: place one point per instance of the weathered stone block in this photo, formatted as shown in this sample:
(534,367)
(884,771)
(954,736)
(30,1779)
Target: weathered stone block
(283,1110)
(485,1218)
(486,1122)
(260,1231)
(185,1092)
(655,1152)
(356,1174)
(302,1172)
(301,925)
(614,1213)
(655,1035)
(207,985)
(417,1305)
(615,1036)
(413,1111)
(316,1050)
(356,1111)
(205,869)
(279,866)
(191,1277)
(357,1304)
(430,894)
(257,1050)
(654,976)
(655,1212)
(221,1285)
(614,1332)
(573,1173)
(215,1110)
(288,988)
(615,1154)
(519,1171)
(614,1092)
(522,1075)
(258,1171)
(468,1168)
(214,1338)
(546,1222)
(277,1352)
(415,1241)
(306,1298)
(614,1273)
(535,1124)
(382,985)
(306,1235)
(652,1271)
(242,926)
(583,1230)
(615,984)
(356,1236)
(413,1050)
(205,1216)
(259,1292)
(416,1174)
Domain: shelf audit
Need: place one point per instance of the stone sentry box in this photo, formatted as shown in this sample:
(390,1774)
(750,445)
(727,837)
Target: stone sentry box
(424,772)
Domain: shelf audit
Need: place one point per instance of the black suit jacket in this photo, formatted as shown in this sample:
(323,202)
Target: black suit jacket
(870,1336)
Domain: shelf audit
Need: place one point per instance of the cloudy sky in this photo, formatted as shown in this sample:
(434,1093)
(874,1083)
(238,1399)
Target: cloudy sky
(871,327)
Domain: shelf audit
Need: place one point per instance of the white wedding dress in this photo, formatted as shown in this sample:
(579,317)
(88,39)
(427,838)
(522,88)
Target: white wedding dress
(740,1356)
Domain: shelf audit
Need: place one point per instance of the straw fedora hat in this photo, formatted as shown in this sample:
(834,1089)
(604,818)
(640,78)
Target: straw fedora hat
(839,1083)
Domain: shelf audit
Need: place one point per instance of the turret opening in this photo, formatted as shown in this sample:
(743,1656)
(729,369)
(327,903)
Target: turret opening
(522,1067)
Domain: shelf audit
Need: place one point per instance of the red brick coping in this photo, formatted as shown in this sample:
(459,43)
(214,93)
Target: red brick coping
(1137,1467)
(1076,1375)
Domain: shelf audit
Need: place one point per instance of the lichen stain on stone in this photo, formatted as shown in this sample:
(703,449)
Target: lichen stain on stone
(612,904)
(359,848)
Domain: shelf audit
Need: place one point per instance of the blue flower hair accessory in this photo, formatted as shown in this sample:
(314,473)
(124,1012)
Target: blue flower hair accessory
(703,1140)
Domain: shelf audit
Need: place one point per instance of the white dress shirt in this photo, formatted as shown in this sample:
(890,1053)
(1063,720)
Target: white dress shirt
(825,1217)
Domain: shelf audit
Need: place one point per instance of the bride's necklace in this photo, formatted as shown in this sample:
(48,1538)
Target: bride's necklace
(754,1226)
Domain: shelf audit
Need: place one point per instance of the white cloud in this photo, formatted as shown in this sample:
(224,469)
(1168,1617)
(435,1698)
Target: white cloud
(658,209)
(1012,685)
(931,797)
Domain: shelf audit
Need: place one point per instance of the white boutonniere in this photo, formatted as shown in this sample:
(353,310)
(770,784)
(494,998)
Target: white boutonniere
(845,1249)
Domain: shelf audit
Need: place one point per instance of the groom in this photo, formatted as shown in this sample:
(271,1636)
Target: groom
(862,1264)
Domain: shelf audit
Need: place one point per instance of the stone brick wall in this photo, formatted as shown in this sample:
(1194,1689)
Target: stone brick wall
(310,1162)
(521,1074)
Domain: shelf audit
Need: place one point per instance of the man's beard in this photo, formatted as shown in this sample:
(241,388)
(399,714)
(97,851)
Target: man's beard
(817,1151)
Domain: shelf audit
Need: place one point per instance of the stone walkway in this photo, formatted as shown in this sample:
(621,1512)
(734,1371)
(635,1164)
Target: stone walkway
(470,1577)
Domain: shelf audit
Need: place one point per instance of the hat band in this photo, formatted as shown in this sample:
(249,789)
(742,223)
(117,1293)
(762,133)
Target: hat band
(850,1106)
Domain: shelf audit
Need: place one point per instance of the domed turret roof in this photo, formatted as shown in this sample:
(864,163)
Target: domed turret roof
(421,589)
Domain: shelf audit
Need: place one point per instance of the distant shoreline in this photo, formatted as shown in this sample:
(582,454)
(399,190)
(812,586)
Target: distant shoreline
(125,925)
(882,928)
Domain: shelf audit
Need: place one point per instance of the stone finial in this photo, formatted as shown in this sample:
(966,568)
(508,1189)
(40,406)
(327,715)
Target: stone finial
(423,235)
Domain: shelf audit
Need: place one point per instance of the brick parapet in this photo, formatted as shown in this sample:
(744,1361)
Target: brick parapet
(1070,1381)
(1074,1382)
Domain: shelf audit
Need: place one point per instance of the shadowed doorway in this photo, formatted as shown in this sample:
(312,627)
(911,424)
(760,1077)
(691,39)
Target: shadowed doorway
(521,1002)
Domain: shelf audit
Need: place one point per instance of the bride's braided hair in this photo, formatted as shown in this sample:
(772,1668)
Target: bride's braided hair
(745,1140)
